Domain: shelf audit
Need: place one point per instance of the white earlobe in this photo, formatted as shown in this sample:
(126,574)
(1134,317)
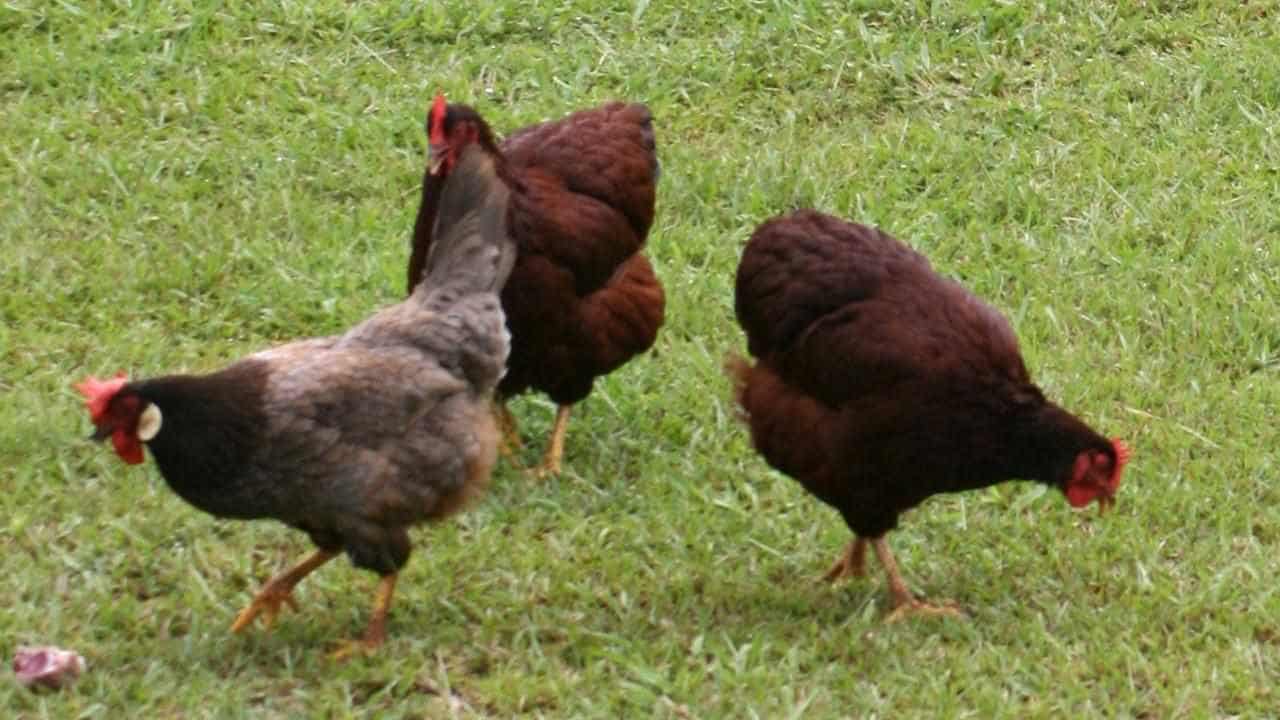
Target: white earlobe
(149,422)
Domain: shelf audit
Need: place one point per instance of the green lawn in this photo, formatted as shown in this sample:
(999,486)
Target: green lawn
(186,182)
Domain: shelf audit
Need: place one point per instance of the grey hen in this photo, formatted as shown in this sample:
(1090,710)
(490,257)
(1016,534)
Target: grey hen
(352,438)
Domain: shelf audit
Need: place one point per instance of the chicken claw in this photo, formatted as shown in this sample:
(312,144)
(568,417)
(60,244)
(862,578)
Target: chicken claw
(266,604)
(920,608)
(548,468)
(851,563)
(904,602)
(348,649)
(376,633)
(373,638)
(279,591)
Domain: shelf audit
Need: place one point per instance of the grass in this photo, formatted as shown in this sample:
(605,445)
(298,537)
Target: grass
(186,182)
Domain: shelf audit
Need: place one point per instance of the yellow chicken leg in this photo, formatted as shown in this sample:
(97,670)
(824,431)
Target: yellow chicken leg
(376,633)
(510,443)
(904,602)
(851,563)
(279,591)
(555,446)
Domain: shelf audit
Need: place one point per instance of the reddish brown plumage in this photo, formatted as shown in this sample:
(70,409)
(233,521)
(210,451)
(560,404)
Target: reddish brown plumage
(581,300)
(879,383)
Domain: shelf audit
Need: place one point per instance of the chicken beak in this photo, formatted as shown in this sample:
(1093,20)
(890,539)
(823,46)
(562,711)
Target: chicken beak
(435,158)
(102,433)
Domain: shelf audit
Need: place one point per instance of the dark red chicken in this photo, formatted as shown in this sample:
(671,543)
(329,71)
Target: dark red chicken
(351,438)
(879,383)
(582,299)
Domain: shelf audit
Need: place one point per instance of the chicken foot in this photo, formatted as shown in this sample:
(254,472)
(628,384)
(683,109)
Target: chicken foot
(376,632)
(851,563)
(279,591)
(904,602)
(555,446)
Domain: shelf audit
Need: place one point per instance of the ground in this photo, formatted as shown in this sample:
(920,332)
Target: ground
(186,182)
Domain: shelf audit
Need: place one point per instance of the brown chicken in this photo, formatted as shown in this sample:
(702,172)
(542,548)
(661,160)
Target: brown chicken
(351,438)
(582,299)
(879,383)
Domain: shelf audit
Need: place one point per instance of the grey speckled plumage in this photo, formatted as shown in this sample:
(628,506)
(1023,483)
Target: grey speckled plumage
(353,438)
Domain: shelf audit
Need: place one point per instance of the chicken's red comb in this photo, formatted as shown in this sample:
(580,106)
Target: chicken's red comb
(438,108)
(98,393)
(1123,453)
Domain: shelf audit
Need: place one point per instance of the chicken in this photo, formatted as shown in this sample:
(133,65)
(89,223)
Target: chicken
(352,438)
(879,383)
(582,299)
